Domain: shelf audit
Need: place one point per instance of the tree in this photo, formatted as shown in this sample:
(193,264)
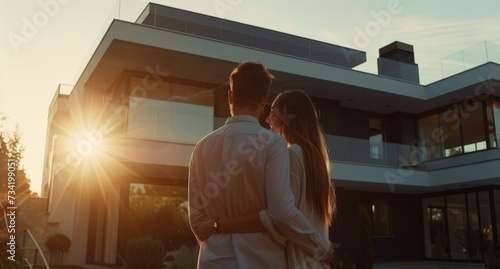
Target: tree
(11,154)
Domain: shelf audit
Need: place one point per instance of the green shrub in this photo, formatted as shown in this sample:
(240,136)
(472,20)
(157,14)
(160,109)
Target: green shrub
(183,258)
(144,252)
(57,245)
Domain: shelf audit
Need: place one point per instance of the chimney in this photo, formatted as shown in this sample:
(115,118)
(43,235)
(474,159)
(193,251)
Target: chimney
(398,61)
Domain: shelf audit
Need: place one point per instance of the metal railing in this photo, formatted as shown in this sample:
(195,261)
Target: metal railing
(37,250)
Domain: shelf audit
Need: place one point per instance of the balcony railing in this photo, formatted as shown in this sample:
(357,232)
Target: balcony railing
(458,62)
(356,150)
(364,151)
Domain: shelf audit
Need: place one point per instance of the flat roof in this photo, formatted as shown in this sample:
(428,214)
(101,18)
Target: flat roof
(247,35)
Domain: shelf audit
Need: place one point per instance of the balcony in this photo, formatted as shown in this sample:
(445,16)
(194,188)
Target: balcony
(355,150)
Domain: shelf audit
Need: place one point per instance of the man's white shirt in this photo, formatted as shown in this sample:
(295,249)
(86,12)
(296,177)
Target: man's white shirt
(238,169)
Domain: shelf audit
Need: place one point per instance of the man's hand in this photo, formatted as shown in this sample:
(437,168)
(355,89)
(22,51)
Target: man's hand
(328,258)
(205,229)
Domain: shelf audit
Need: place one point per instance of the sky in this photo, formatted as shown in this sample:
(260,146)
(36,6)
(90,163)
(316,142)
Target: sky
(45,43)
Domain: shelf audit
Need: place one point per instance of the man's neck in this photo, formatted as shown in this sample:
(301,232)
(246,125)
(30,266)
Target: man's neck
(247,111)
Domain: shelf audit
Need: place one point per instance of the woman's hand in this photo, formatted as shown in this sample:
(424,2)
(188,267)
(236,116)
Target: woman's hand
(328,258)
(205,229)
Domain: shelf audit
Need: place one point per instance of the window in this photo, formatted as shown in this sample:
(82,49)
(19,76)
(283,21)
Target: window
(430,142)
(474,241)
(457,226)
(485,220)
(376,138)
(436,235)
(457,130)
(496,120)
(382,219)
(160,211)
(450,124)
(171,112)
(460,226)
(474,138)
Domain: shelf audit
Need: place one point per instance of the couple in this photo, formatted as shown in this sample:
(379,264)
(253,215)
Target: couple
(260,198)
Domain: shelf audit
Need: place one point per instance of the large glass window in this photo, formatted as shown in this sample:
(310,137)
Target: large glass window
(473,135)
(429,136)
(457,130)
(170,112)
(450,124)
(160,211)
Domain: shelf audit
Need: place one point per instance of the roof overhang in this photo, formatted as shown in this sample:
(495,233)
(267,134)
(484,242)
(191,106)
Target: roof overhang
(130,46)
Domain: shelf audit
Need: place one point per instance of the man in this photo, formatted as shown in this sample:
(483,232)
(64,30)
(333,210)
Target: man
(242,168)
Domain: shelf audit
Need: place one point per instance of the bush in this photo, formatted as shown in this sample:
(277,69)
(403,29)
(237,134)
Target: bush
(57,245)
(183,258)
(144,252)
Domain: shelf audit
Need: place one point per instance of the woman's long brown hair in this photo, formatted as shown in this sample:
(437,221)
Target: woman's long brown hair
(301,126)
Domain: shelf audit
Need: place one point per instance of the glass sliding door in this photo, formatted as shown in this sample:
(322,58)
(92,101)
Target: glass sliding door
(457,226)
(462,226)
(485,220)
(435,228)
(474,242)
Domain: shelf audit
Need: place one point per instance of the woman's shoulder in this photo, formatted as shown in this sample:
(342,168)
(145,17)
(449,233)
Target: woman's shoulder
(295,149)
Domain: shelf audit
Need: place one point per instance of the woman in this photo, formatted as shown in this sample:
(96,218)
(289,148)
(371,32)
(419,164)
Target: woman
(294,117)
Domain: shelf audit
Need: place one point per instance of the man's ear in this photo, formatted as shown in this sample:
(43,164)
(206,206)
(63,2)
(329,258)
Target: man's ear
(230,97)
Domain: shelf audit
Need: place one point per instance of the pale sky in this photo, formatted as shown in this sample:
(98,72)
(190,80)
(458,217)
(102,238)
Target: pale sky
(45,43)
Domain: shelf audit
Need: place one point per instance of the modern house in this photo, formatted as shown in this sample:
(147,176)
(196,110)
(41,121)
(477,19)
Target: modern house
(422,160)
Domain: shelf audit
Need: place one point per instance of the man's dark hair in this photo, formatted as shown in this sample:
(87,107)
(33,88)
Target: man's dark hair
(250,83)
